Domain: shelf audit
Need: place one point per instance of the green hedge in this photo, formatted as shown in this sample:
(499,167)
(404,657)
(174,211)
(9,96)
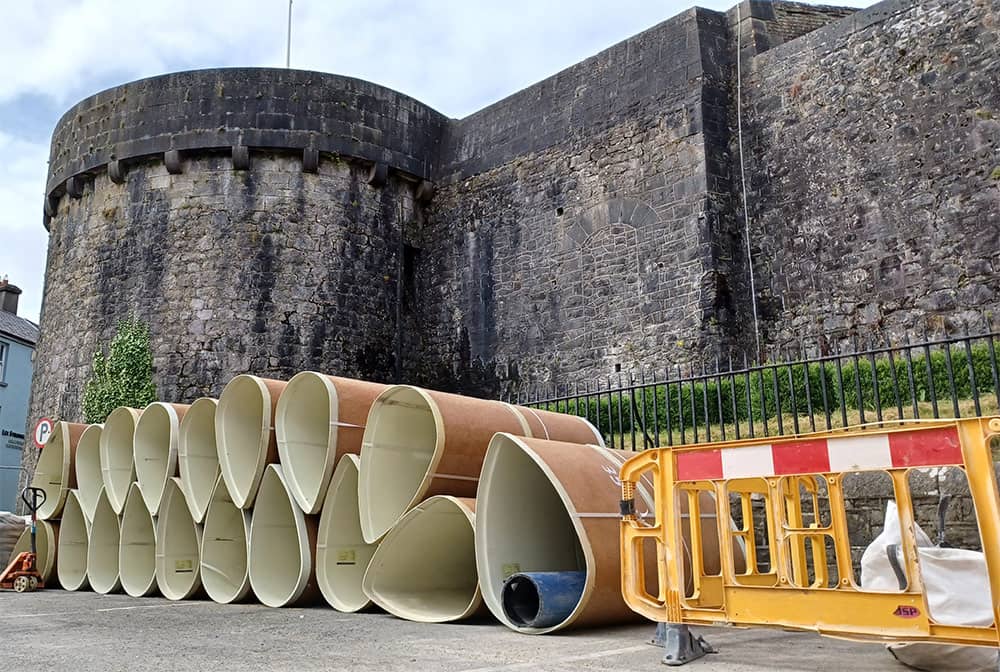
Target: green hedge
(786,384)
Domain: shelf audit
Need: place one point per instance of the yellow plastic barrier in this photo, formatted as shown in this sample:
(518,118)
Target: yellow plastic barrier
(794,587)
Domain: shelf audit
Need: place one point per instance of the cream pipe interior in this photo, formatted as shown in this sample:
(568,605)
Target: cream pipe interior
(242,430)
(281,561)
(137,546)
(46,546)
(342,556)
(117,463)
(178,539)
(102,549)
(402,437)
(155,450)
(88,469)
(74,531)
(224,548)
(425,568)
(198,457)
(523,523)
(307,439)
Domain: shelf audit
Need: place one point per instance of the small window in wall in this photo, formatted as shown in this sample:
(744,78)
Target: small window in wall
(4,349)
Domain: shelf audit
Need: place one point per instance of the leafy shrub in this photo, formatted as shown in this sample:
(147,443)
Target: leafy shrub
(122,377)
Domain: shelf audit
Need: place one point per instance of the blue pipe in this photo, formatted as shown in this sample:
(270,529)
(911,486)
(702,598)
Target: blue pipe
(541,599)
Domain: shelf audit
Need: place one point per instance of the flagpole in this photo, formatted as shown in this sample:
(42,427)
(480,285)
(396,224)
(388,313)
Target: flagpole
(288,42)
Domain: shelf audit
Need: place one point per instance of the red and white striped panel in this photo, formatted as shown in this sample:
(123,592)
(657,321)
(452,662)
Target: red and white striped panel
(931,447)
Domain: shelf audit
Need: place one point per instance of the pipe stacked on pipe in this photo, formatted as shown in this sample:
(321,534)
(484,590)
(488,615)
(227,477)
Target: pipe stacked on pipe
(432,506)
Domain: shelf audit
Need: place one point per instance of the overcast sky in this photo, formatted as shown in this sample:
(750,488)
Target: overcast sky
(455,55)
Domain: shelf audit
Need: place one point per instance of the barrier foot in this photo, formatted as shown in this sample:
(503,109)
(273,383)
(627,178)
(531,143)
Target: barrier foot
(680,646)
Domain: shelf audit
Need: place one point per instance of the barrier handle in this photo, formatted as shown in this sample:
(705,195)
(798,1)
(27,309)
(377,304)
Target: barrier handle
(630,474)
(633,531)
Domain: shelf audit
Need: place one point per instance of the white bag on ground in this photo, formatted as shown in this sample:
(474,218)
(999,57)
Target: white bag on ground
(11,527)
(958,593)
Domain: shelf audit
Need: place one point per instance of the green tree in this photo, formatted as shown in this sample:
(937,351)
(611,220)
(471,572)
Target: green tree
(123,376)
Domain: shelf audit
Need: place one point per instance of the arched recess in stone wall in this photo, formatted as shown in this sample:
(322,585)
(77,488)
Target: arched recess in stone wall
(603,274)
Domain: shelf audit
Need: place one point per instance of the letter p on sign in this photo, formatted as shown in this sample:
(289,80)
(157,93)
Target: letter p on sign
(43,430)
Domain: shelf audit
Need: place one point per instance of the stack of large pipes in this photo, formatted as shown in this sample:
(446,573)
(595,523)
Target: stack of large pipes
(432,506)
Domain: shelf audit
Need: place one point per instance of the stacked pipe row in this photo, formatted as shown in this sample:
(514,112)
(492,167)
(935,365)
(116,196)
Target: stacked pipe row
(433,506)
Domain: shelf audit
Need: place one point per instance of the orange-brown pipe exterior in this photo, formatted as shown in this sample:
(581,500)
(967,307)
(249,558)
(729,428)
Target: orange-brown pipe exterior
(274,388)
(76,430)
(469,425)
(354,400)
(558,426)
(589,476)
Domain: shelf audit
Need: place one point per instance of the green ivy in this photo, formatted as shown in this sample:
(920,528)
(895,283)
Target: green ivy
(123,376)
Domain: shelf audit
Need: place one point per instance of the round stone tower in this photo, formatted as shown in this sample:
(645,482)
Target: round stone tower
(254,218)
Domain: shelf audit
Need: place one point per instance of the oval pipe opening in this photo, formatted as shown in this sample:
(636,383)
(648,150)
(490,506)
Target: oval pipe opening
(281,545)
(425,568)
(88,469)
(102,549)
(74,532)
(117,463)
(401,446)
(178,539)
(198,457)
(243,430)
(542,599)
(306,432)
(523,525)
(55,472)
(155,450)
(225,546)
(342,556)
(318,419)
(46,546)
(137,546)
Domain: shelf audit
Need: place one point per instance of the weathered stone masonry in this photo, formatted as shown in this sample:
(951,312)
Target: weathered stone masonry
(278,220)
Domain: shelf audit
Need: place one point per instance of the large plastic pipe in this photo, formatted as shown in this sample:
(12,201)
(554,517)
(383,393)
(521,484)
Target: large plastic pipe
(551,507)
(418,443)
(198,456)
(547,506)
(117,462)
(225,545)
(244,431)
(282,546)
(137,546)
(102,547)
(154,449)
(55,472)
(178,540)
(317,420)
(425,568)
(88,469)
(342,556)
(46,546)
(74,532)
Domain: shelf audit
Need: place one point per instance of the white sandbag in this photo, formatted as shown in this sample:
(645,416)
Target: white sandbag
(958,593)
(11,527)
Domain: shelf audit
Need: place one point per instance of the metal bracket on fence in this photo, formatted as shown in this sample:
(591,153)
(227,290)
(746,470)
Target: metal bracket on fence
(680,645)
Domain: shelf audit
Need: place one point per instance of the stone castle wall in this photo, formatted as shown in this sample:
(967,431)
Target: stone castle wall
(278,220)
(873,147)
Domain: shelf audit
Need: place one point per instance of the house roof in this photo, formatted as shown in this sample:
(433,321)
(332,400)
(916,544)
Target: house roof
(18,328)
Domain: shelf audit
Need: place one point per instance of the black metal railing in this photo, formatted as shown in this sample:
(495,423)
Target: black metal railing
(950,377)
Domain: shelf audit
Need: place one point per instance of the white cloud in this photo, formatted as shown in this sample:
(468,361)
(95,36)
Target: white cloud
(23,240)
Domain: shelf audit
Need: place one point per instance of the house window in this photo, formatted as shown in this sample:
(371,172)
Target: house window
(4,349)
